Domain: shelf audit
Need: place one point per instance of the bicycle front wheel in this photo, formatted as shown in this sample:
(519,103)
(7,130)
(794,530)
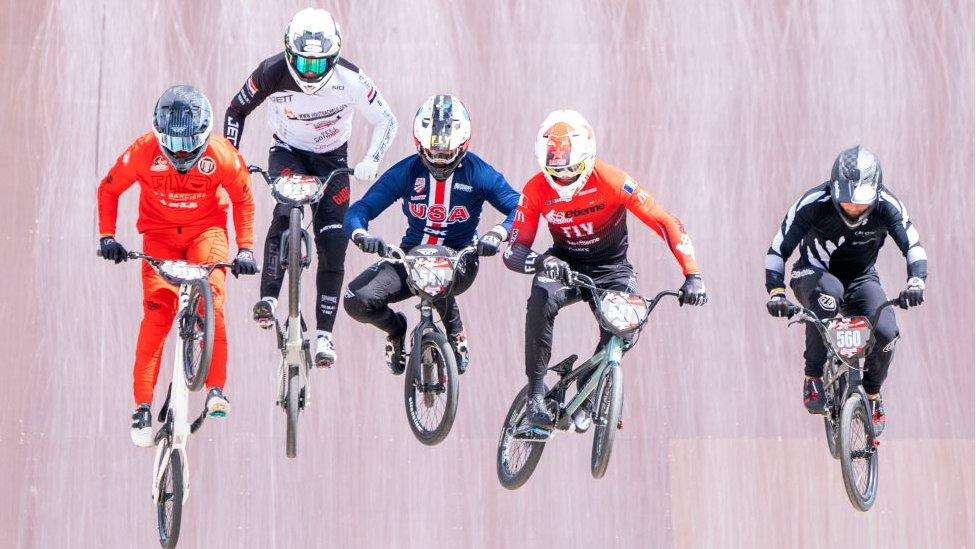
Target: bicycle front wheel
(858,455)
(609,404)
(197,333)
(169,502)
(431,390)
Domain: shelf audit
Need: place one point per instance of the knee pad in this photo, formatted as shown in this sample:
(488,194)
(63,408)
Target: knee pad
(356,305)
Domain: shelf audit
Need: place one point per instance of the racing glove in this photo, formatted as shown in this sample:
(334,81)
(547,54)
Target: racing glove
(693,291)
(554,268)
(111,250)
(244,263)
(913,294)
(366,170)
(368,243)
(778,305)
(489,243)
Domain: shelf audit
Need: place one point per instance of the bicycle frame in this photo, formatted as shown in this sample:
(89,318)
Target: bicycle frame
(608,356)
(396,255)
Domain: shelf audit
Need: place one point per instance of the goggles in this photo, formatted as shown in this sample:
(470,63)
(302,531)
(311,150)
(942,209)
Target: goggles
(310,67)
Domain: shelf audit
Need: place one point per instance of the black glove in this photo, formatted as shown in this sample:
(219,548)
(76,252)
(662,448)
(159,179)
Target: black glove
(554,268)
(779,306)
(369,244)
(693,291)
(244,263)
(913,294)
(111,250)
(488,244)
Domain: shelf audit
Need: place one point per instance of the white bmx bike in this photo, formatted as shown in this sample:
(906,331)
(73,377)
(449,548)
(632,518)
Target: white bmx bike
(195,330)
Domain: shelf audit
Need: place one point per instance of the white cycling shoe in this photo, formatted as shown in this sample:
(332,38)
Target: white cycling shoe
(217,403)
(325,354)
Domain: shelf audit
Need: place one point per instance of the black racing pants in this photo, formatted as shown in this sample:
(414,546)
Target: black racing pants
(826,295)
(369,295)
(548,296)
(327,216)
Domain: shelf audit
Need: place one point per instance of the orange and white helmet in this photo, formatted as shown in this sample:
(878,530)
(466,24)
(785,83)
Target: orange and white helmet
(566,151)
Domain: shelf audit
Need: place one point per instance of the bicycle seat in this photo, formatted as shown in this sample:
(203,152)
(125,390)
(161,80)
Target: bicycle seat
(565,365)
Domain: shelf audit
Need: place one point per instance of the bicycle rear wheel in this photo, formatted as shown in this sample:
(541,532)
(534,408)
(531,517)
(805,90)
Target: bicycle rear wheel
(169,502)
(291,411)
(519,448)
(431,390)
(610,400)
(197,333)
(858,455)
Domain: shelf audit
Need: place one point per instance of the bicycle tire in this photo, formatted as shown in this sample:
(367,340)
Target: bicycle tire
(857,443)
(509,477)
(196,327)
(610,400)
(291,412)
(170,492)
(831,418)
(443,365)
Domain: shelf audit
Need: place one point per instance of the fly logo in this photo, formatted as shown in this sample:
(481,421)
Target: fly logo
(439,214)
(578,231)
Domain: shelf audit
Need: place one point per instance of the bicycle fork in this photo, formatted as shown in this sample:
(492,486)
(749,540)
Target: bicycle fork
(177,403)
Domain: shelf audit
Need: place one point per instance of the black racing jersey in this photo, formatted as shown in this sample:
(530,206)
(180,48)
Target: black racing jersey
(319,122)
(827,242)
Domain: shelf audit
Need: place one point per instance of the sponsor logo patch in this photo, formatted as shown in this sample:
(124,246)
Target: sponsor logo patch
(206,165)
(463,187)
(891,345)
(419,184)
(827,302)
(159,164)
(802,273)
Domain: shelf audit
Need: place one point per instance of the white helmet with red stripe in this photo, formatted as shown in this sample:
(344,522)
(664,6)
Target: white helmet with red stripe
(566,151)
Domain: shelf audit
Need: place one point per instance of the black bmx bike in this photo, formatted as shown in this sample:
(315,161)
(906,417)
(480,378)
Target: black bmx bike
(295,255)
(847,416)
(430,388)
(520,445)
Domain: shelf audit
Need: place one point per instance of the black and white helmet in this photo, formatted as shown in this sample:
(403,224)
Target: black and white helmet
(855,179)
(183,122)
(312,42)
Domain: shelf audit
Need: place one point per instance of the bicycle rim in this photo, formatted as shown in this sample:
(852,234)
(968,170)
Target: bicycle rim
(196,328)
(169,503)
(859,457)
(517,457)
(431,390)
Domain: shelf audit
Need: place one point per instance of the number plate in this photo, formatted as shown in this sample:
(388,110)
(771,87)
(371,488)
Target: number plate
(298,188)
(625,312)
(849,336)
(432,275)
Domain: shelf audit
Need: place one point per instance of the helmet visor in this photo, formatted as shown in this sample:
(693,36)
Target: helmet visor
(179,145)
(849,192)
(311,67)
(566,173)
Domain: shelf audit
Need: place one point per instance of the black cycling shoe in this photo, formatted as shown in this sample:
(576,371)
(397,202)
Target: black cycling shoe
(537,413)
(396,352)
(813,396)
(459,343)
(878,417)
(264,314)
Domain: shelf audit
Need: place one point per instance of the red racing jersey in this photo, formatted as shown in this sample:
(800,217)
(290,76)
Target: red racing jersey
(197,199)
(591,227)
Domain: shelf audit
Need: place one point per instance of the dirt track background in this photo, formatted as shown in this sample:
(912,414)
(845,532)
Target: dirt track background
(727,111)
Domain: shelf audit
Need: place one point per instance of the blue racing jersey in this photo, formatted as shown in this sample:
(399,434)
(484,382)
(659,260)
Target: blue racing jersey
(445,213)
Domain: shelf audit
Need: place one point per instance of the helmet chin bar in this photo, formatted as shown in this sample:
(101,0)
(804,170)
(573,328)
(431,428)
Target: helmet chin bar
(853,222)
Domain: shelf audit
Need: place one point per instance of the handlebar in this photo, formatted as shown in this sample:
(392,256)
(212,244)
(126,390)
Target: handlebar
(396,254)
(156,261)
(580,279)
(323,182)
(806,315)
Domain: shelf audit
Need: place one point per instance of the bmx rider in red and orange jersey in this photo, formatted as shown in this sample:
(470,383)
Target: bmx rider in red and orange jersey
(187,179)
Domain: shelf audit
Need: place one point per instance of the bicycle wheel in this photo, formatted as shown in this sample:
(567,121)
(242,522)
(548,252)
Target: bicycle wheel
(610,400)
(169,503)
(858,456)
(291,411)
(518,450)
(831,418)
(197,334)
(431,390)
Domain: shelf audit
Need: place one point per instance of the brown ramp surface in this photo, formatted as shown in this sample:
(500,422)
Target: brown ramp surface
(726,110)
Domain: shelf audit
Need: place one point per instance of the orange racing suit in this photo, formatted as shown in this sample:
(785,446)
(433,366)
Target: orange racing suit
(181,216)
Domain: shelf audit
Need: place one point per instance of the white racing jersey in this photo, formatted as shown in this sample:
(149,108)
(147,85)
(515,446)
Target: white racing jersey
(320,122)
